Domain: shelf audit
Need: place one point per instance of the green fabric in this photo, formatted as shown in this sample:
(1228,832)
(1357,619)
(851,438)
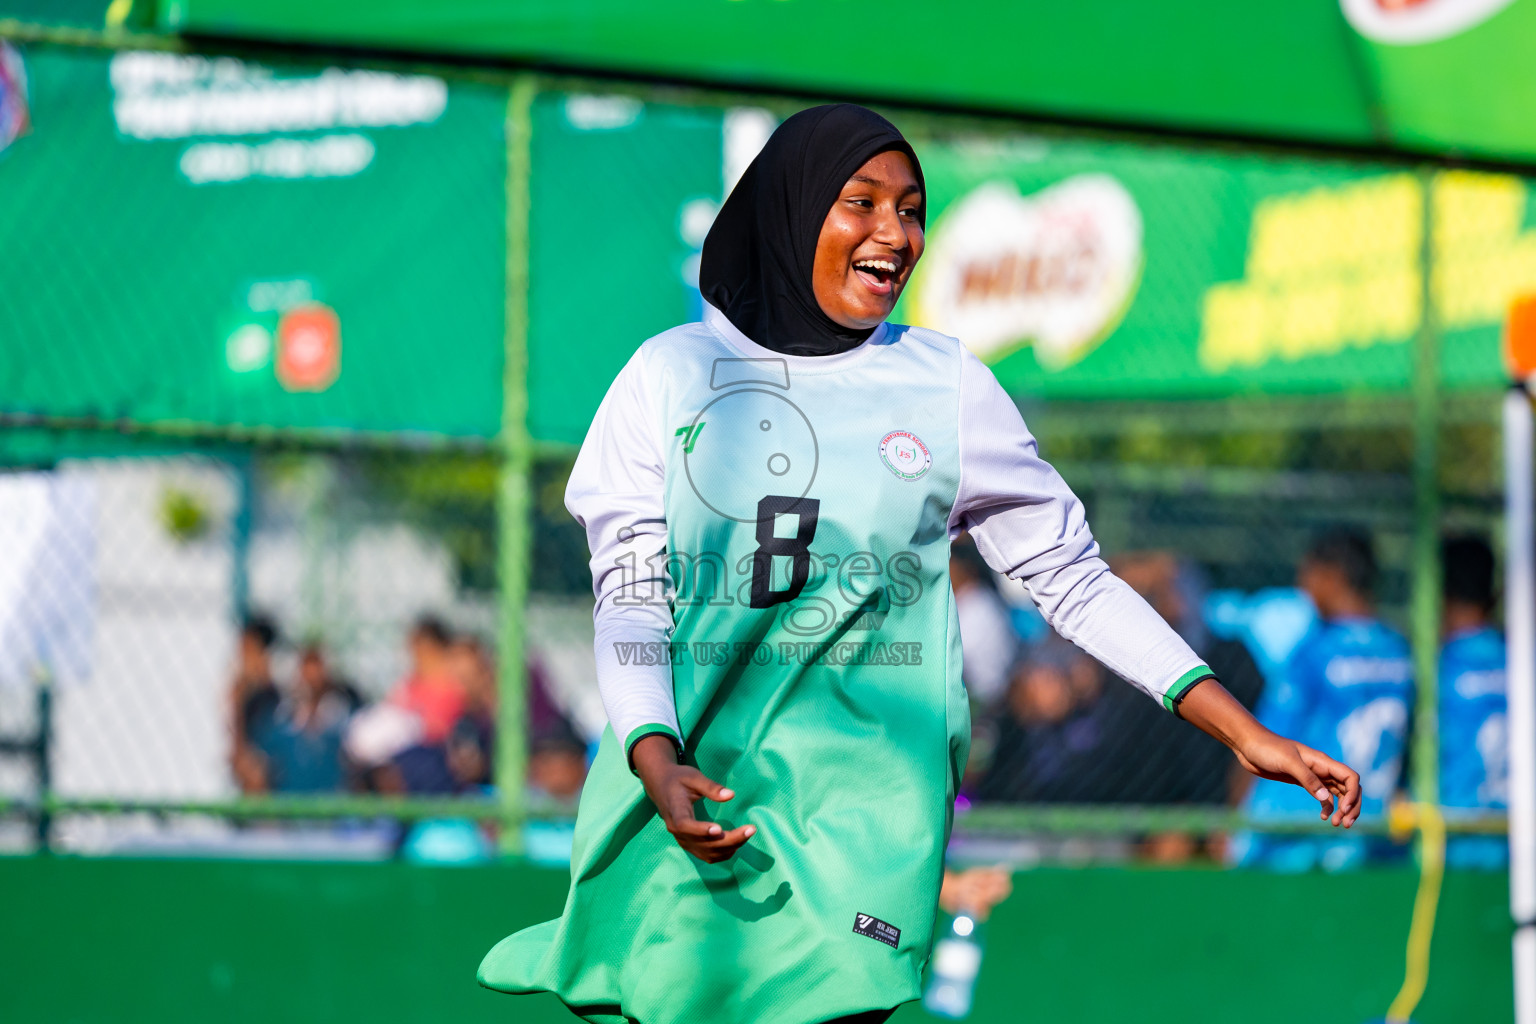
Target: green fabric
(846,757)
(1297,69)
(1183,683)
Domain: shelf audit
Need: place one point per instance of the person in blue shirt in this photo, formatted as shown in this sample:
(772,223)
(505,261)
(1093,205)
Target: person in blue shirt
(1473,725)
(1346,690)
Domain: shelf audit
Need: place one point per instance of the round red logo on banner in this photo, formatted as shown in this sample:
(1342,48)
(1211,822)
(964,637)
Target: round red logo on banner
(308,348)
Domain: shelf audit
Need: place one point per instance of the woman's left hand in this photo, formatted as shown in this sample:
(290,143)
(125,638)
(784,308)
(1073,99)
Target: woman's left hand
(1336,786)
(1270,756)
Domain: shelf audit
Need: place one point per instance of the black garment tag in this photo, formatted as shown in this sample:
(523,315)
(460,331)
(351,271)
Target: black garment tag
(876,929)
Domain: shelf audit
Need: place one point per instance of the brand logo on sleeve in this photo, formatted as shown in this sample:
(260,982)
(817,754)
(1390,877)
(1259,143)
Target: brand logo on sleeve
(874,928)
(905,454)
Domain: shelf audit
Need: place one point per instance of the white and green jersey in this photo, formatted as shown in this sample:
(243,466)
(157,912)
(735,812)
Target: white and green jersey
(770,549)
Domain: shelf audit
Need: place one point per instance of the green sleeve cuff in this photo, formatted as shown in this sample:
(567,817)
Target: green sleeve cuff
(653,729)
(1184,684)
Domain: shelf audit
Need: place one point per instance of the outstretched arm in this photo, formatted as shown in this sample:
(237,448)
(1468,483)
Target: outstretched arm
(1029,525)
(1336,786)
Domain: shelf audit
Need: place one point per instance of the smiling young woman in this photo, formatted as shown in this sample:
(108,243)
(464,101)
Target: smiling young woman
(769,497)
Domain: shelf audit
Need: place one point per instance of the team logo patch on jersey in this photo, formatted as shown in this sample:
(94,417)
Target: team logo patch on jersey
(874,928)
(905,454)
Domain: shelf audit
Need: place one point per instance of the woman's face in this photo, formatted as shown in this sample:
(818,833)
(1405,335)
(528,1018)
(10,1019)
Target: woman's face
(870,241)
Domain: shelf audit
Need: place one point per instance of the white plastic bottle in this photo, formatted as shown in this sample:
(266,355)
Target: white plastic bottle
(952,975)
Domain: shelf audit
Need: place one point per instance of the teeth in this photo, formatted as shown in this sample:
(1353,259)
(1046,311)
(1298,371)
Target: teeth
(885,265)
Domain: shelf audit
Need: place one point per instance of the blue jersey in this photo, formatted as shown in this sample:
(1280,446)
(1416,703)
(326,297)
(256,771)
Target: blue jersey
(1474,753)
(1346,691)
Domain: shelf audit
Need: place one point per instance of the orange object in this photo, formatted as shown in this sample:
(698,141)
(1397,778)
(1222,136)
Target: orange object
(1520,337)
(308,348)
(438,700)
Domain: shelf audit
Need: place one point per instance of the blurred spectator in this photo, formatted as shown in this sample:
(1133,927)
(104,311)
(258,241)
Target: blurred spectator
(1175,763)
(463,763)
(303,746)
(1049,731)
(322,685)
(465,759)
(1474,770)
(545,715)
(1269,623)
(1070,733)
(557,764)
(557,767)
(255,700)
(1346,691)
(988,643)
(418,713)
(471,744)
(431,690)
(1181,763)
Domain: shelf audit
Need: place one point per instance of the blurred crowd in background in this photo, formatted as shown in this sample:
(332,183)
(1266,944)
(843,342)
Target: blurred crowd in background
(1315,663)
(433,733)
(1050,725)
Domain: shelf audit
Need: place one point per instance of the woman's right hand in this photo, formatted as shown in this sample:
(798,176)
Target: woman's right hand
(674,788)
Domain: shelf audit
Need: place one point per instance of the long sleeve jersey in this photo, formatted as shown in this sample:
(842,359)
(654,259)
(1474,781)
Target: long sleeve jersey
(1026,522)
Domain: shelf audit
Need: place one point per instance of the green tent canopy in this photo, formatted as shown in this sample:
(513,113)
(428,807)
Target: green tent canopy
(1439,76)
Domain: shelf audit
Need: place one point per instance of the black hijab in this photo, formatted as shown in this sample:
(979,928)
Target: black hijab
(757,260)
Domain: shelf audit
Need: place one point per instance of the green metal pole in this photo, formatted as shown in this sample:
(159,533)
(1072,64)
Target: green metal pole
(514,503)
(1425,617)
(1425,620)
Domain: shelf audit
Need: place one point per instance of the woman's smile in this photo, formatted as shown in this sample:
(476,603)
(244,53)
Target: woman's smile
(878,273)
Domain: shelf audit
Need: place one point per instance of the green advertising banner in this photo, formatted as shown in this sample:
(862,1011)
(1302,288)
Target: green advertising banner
(1078,270)
(1090,270)
(623,193)
(1444,76)
(215,242)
